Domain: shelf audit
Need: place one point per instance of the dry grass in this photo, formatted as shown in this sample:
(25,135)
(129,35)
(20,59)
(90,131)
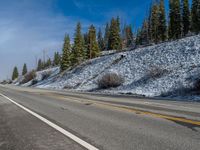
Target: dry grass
(156,72)
(28,77)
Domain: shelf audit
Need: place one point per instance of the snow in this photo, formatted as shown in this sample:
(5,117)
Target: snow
(103,53)
(51,72)
(177,62)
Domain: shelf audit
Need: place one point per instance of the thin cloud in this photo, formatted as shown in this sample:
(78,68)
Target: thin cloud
(24,37)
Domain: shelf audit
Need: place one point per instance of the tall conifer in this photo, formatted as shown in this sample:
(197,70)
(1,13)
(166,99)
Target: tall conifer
(56,60)
(106,36)
(15,73)
(93,48)
(101,40)
(195,12)
(79,52)
(185,10)
(144,36)
(162,27)
(128,38)
(65,61)
(175,19)
(40,65)
(114,41)
(24,70)
(155,34)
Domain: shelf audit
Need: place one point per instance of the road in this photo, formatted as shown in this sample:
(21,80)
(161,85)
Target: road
(39,119)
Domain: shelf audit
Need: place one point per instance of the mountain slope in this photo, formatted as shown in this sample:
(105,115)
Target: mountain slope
(164,69)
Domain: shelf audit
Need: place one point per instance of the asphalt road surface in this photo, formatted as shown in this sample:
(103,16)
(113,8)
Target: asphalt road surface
(38,119)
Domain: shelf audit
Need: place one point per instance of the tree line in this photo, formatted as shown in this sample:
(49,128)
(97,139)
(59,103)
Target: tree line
(90,44)
(182,21)
(16,73)
(41,65)
(156,28)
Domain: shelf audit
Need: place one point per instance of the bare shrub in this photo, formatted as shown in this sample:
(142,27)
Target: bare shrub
(109,80)
(28,77)
(156,72)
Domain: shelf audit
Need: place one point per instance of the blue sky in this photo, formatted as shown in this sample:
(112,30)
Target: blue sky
(29,26)
(100,11)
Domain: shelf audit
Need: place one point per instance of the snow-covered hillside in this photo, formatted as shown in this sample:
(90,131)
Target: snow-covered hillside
(163,69)
(41,77)
(51,74)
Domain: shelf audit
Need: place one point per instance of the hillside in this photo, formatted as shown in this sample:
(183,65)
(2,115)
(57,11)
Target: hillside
(171,68)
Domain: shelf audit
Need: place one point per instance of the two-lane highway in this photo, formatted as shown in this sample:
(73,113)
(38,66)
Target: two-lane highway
(57,120)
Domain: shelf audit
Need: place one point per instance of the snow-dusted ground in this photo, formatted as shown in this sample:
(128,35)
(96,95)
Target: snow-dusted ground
(177,63)
(49,73)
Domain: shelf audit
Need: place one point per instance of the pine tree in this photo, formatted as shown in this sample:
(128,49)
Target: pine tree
(119,32)
(155,37)
(48,63)
(127,36)
(118,24)
(114,41)
(175,19)
(195,12)
(149,17)
(15,73)
(138,40)
(185,16)
(79,47)
(93,48)
(123,37)
(101,40)
(24,70)
(144,35)
(106,35)
(86,43)
(85,37)
(41,65)
(65,61)
(56,60)
(162,27)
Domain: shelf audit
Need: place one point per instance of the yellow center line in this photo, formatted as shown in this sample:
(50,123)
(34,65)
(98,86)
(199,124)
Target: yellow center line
(128,109)
(156,115)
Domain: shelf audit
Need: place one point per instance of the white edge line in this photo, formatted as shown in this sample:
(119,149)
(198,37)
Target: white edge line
(61,130)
